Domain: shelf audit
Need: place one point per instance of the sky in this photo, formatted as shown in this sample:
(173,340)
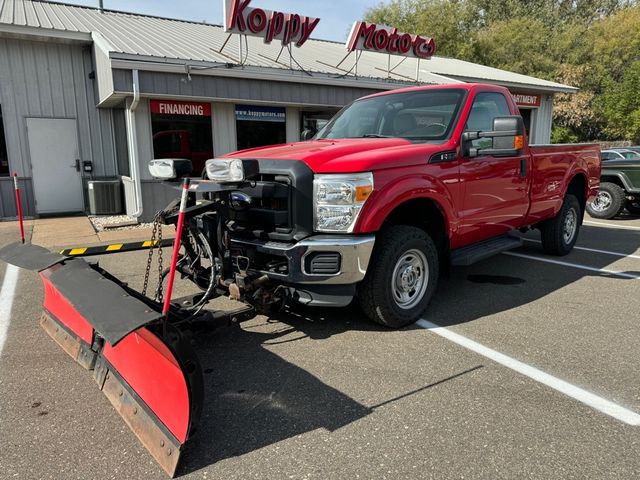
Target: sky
(336,16)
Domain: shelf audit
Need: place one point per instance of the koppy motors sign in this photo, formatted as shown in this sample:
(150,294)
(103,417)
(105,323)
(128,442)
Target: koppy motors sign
(383,39)
(270,25)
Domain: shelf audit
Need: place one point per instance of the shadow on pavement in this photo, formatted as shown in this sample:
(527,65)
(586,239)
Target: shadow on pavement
(254,398)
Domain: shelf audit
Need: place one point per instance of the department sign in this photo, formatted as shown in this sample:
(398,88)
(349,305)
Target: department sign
(526,99)
(270,25)
(383,39)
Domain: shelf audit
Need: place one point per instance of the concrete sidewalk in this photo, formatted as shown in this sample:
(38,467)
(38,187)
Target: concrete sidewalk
(78,231)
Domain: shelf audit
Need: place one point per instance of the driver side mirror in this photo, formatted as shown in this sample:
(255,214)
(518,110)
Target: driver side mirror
(307,134)
(506,138)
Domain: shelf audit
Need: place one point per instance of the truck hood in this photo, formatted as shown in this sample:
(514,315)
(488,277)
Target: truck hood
(346,155)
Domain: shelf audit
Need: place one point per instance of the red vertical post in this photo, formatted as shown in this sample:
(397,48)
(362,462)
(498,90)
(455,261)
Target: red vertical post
(176,247)
(18,205)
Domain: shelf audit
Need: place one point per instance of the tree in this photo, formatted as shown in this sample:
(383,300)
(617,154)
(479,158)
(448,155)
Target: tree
(620,105)
(590,44)
(519,45)
(446,21)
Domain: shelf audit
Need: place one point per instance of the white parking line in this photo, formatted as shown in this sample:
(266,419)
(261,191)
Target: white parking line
(7,293)
(615,225)
(574,265)
(590,399)
(595,250)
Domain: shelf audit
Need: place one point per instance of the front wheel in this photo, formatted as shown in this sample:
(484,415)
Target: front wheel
(560,233)
(401,278)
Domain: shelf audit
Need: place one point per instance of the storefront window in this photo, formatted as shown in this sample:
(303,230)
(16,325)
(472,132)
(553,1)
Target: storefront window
(4,159)
(182,130)
(258,126)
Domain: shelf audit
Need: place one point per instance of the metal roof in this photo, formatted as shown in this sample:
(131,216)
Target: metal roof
(143,37)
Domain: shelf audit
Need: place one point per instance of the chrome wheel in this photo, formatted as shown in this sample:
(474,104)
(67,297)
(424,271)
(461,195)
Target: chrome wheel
(602,201)
(570,226)
(410,279)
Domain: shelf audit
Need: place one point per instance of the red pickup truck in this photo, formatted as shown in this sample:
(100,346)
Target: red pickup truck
(396,187)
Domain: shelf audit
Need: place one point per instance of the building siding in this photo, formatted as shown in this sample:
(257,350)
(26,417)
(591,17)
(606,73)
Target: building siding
(543,121)
(8,200)
(237,89)
(51,80)
(224,128)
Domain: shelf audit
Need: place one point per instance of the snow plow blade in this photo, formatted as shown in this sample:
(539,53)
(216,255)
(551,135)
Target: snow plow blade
(147,370)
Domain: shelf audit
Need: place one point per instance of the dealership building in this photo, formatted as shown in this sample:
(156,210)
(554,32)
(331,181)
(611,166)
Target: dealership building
(88,97)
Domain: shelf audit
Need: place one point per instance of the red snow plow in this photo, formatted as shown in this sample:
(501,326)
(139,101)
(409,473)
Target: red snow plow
(136,346)
(145,367)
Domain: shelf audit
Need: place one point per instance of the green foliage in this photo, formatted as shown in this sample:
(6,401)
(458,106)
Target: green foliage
(591,44)
(563,135)
(620,104)
(447,21)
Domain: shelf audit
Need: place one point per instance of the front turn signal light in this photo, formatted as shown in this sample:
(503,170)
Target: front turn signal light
(363,192)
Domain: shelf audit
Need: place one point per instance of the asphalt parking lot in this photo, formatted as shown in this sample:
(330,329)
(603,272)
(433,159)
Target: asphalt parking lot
(526,366)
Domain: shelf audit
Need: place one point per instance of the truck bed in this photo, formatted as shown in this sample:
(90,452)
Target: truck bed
(552,167)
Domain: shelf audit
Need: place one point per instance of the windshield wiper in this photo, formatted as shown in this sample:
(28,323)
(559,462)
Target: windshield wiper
(375,135)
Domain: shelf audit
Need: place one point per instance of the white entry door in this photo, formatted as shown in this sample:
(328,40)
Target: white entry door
(57,183)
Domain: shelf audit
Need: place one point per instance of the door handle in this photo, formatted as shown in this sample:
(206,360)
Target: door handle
(523,167)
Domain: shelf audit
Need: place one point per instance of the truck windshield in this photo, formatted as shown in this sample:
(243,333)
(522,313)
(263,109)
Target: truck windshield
(418,116)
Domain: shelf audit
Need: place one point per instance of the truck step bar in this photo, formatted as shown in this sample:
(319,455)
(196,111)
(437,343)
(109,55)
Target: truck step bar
(463,257)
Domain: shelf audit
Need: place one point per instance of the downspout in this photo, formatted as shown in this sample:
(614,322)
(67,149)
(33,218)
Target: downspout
(134,164)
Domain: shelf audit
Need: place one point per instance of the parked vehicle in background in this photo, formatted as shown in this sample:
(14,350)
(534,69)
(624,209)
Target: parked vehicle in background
(619,154)
(178,144)
(619,188)
(635,148)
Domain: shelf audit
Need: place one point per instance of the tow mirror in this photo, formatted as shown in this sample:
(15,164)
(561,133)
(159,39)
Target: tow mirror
(505,140)
(308,134)
(170,168)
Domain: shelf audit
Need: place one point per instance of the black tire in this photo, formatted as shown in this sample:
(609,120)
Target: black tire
(609,203)
(560,233)
(395,248)
(633,207)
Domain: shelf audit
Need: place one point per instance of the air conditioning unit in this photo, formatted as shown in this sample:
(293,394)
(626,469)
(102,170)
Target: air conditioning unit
(105,197)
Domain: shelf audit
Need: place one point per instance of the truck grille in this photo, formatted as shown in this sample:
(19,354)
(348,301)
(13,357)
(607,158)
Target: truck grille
(269,212)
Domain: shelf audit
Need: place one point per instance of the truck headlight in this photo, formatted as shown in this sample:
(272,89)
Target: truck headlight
(338,200)
(231,170)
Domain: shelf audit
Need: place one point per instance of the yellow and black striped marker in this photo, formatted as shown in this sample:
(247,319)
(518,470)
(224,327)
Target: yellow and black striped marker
(113,248)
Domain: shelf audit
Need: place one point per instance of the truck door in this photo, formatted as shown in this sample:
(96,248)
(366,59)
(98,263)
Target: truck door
(495,189)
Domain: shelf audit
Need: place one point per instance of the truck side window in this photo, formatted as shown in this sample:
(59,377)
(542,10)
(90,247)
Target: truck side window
(486,106)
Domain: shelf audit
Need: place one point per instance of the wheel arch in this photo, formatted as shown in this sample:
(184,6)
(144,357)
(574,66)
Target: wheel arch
(431,219)
(579,187)
(616,178)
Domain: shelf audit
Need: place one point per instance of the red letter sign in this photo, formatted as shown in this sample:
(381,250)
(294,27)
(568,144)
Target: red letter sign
(374,38)
(286,27)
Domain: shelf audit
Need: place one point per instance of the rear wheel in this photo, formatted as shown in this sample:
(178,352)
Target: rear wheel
(560,233)
(608,203)
(401,278)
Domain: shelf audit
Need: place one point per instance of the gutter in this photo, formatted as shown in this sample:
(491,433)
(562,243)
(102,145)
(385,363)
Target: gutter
(132,144)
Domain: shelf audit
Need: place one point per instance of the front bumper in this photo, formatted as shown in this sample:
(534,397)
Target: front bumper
(354,252)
